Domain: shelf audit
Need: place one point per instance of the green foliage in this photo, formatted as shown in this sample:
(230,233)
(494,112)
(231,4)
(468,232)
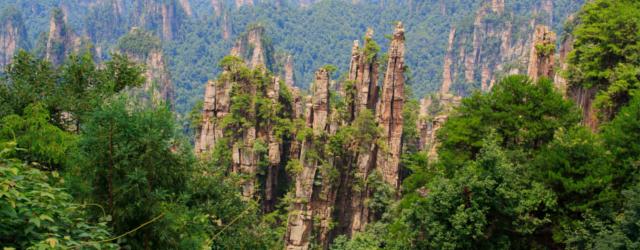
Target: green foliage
(27,80)
(138,42)
(410,133)
(491,203)
(357,137)
(605,54)
(131,153)
(545,49)
(123,73)
(524,116)
(35,213)
(577,166)
(46,144)
(621,138)
(195,116)
(371,49)
(67,92)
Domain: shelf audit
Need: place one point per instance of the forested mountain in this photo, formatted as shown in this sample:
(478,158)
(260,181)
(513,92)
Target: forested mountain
(319,124)
(196,34)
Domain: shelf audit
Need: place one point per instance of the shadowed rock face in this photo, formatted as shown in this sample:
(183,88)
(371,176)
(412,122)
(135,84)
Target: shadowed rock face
(308,205)
(61,41)
(158,80)
(250,46)
(162,17)
(13,36)
(390,110)
(330,197)
(322,199)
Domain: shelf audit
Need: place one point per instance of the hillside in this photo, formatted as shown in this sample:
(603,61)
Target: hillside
(313,32)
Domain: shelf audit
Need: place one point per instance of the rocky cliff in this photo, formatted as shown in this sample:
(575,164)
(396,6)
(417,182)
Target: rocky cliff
(256,147)
(164,18)
(254,49)
(13,35)
(313,202)
(497,42)
(61,40)
(144,48)
(333,178)
(541,58)
(502,39)
(338,190)
(390,106)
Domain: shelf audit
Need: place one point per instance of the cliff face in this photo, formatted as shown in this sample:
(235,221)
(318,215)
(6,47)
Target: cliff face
(390,110)
(186,6)
(162,17)
(145,48)
(61,41)
(502,40)
(434,111)
(252,47)
(13,35)
(494,45)
(337,192)
(581,96)
(541,58)
(256,148)
(331,186)
(366,76)
(310,201)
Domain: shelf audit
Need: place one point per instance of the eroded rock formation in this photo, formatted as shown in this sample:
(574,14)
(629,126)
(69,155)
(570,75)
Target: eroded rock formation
(186,6)
(164,18)
(158,81)
(389,112)
(217,6)
(332,185)
(61,41)
(484,51)
(312,203)
(541,57)
(13,35)
(257,151)
(251,47)
(434,111)
(215,107)
(341,198)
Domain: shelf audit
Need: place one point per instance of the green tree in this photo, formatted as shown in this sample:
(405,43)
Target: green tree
(577,166)
(621,138)
(491,203)
(606,52)
(46,145)
(523,114)
(27,80)
(137,166)
(35,213)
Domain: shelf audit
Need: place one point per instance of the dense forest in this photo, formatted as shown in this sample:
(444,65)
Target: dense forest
(316,34)
(402,140)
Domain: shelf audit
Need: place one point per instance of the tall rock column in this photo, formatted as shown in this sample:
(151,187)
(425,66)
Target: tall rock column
(367,75)
(274,149)
(13,35)
(308,204)
(61,41)
(158,81)
(541,58)
(389,111)
(216,106)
